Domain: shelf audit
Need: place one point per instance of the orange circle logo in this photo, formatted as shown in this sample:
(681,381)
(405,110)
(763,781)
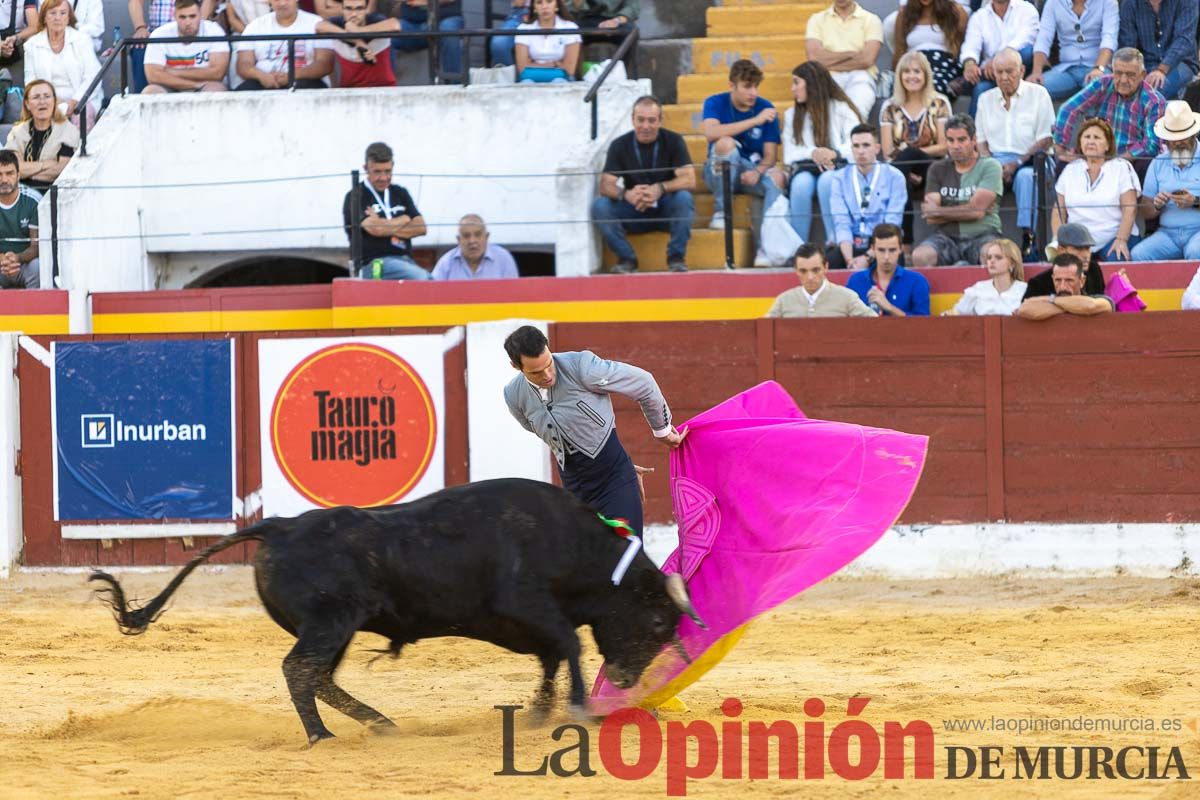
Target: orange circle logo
(353,424)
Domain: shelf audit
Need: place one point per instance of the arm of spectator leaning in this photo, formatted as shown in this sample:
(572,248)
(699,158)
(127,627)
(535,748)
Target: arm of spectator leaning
(1153,201)
(322,62)
(1045,39)
(1191,295)
(827,58)
(712,128)
(31,23)
(520,56)
(600,375)
(860,309)
(1039,308)
(208,8)
(247,66)
(931,208)
(1129,207)
(972,210)
(937,148)
(1110,23)
(1148,145)
(1083,306)
(1074,111)
(236,23)
(972,44)
(137,18)
(31,252)
(570,60)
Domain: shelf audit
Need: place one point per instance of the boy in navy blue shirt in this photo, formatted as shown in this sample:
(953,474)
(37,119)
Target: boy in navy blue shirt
(887,287)
(743,136)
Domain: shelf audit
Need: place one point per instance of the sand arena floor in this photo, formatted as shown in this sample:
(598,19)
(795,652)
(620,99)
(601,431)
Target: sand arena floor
(197,707)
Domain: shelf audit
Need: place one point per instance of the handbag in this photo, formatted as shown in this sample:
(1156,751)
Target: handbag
(812,168)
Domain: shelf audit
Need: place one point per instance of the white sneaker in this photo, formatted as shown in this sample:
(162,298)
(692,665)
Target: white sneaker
(717,223)
(761,260)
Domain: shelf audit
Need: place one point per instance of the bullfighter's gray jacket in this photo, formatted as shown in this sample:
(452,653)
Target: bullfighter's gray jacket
(578,415)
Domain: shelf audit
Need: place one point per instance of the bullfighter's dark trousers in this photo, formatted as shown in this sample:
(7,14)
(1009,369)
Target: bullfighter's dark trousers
(608,482)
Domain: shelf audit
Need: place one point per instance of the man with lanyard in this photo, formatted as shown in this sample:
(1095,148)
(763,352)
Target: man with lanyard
(390,221)
(887,287)
(656,171)
(563,398)
(864,194)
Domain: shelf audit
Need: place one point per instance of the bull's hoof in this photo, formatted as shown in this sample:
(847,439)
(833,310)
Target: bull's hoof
(383,727)
(317,737)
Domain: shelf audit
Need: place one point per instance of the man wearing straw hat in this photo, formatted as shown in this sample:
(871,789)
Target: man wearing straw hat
(1171,191)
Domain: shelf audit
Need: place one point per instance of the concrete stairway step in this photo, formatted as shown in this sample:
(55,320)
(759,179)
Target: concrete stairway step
(696,88)
(706,250)
(773,53)
(685,118)
(741,210)
(757,20)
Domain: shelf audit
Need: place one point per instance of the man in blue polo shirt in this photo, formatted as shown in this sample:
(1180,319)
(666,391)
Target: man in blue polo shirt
(1171,190)
(887,287)
(742,130)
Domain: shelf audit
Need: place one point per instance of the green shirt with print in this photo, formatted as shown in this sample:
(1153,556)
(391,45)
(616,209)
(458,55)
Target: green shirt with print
(957,189)
(17,219)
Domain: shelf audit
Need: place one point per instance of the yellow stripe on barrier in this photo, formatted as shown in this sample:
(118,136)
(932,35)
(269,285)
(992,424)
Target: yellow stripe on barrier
(581,311)
(35,324)
(214,321)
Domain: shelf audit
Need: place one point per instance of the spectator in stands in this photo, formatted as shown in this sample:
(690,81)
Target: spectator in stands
(550,57)
(147,19)
(1002,292)
(742,130)
(1172,190)
(475,258)
(1164,31)
(889,22)
(886,287)
(1015,121)
(390,221)
(1086,42)
(816,296)
(1073,239)
(240,13)
(816,143)
(617,15)
(263,64)
(414,18)
(43,140)
(191,66)
(656,179)
(1068,297)
(845,39)
(1099,191)
(14,29)
(996,25)
(500,48)
(962,200)
(89,16)
(1191,295)
(936,28)
(912,127)
(361,62)
(1125,101)
(63,55)
(865,194)
(18,227)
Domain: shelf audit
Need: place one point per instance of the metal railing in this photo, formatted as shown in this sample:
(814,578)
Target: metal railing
(626,50)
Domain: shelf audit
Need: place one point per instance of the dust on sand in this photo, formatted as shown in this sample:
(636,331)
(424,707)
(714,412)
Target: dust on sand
(197,706)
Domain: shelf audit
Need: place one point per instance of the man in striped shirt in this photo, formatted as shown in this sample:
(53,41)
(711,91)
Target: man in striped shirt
(1126,102)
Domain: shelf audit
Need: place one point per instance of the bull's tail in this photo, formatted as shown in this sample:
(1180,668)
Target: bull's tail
(133,619)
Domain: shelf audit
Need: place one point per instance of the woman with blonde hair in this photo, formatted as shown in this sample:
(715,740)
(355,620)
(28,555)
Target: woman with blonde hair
(62,55)
(1003,290)
(913,127)
(1099,191)
(43,139)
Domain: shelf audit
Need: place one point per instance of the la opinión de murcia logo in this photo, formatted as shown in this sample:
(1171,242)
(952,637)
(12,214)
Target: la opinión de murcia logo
(851,750)
(105,430)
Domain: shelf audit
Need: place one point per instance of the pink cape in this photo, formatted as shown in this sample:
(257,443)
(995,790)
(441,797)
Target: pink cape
(769,503)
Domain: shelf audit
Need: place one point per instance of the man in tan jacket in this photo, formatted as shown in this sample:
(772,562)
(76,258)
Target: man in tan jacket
(816,296)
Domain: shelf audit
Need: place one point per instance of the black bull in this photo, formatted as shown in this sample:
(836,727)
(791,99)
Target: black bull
(517,563)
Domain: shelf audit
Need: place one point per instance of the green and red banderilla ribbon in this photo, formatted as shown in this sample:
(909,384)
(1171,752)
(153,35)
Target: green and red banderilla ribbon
(622,528)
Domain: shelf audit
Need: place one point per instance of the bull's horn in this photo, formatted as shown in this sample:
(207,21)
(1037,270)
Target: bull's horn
(677,591)
(680,649)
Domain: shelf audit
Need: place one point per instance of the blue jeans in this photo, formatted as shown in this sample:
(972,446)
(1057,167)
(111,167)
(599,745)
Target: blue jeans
(1103,256)
(800,197)
(500,51)
(137,69)
(737,164)
(1024,189)
(1064,80)
(1168,244)
(615,218)
(394,268)
(450,48)
(984,84)
(1177,78)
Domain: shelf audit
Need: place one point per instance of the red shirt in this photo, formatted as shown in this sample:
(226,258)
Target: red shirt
(359,75)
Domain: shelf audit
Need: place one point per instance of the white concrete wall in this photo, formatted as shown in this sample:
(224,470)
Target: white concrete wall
(266,146)
(11,538)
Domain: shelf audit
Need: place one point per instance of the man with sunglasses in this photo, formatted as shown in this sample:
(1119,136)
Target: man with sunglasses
(864,194)
(362,62)
(1165,33)
(1087,37)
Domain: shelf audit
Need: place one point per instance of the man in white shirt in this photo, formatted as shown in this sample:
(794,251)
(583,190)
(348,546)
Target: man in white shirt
(816,296)
(1014,122)
(995,26)
(186,66)
(264,64)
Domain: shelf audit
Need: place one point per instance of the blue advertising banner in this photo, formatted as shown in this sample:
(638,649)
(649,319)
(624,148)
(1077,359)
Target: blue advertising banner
(143,430)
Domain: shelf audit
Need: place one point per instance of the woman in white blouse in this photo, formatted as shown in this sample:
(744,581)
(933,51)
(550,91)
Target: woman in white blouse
(1002,292)
(1100,192)
(63,55)
(816,142)
(551,57)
